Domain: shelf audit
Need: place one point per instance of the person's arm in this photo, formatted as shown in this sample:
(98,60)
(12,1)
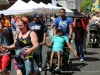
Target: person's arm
(34,41)
(70,47)
(50,44)
(70,28)
(55,26)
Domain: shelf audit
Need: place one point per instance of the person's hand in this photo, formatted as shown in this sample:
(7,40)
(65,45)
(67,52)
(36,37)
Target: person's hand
(43,42)
(28,51)
(75,55)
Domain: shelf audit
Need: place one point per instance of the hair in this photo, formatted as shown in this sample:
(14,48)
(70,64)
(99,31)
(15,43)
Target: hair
(25,23)
(2,19)
(2,15)
(79,20)
(62,31)
(55,16)
(62,9)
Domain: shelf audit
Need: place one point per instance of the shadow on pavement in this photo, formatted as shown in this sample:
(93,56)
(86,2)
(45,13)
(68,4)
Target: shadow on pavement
(91,59)
(91,53)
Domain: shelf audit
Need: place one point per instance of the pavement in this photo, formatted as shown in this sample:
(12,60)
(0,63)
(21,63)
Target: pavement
(90,66)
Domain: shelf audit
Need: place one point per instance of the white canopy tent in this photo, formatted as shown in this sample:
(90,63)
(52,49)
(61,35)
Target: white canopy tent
(19,7)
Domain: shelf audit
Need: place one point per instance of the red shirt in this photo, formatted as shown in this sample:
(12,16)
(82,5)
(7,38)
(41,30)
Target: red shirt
(84,23)
(77,33)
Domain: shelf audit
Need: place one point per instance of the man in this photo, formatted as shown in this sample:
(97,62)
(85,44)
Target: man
(5,59)
(65,22)
(40,29)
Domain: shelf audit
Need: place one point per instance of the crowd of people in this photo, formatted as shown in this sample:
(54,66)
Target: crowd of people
(30,36)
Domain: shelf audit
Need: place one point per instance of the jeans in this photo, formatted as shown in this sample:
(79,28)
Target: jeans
(38,56)
(29,63)
(79,48)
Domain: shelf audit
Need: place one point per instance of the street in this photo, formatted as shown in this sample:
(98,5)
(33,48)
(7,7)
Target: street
(91,65)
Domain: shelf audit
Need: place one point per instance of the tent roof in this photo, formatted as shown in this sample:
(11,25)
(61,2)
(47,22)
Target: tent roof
(18,5)
(4,1)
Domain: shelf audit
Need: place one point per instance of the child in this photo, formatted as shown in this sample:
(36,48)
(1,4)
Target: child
(58,42)
(80,34)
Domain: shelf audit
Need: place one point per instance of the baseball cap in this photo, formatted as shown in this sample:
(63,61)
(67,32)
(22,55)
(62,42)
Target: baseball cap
(36,15)
(25,19)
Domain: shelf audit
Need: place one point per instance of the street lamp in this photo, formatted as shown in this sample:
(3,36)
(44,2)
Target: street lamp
(89,8)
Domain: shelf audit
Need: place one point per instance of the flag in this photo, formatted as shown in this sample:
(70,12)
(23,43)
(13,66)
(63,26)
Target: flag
(54,3)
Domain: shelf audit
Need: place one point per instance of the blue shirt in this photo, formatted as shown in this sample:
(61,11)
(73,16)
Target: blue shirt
(13,25)
(64,23)
(59,42)
(38,28)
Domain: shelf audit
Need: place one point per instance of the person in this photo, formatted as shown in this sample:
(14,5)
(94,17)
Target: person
(24,38)
(53,17)
(40,29)
(80,34)
(7,21)
(65,22)
(5,56)
(58,42)
(96,18)
(13,25)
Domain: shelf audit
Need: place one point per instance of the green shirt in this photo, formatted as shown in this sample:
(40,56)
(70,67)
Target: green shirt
(59,42)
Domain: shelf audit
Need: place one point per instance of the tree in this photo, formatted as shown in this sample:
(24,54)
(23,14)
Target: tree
(85,4)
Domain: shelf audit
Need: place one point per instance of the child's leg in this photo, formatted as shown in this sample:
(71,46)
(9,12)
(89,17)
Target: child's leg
(51,58)
(58,53)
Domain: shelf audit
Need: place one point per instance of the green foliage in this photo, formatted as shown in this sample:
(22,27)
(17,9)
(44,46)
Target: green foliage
(85,4)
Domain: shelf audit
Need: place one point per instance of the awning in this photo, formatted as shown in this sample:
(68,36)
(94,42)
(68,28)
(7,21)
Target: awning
(4,1)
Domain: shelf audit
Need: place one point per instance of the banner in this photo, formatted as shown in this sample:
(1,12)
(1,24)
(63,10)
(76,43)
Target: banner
(54,3)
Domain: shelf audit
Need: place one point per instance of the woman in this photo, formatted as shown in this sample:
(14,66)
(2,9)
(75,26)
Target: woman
(80,34)
(24,38)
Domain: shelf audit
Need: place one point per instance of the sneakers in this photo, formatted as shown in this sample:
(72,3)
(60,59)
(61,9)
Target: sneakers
(48,68)
(81,60)
(40,69)
(57,69)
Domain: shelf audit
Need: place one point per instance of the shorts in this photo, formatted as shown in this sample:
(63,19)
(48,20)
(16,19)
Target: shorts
(5,63)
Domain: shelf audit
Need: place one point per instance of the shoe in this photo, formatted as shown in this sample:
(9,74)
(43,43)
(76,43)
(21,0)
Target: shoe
(40,69)
(57,69)
(85,51)
(81,60)
(48,68)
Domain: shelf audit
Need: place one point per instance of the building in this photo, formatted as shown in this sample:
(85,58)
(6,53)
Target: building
(70,4)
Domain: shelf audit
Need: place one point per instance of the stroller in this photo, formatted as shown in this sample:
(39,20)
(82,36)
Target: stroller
(94,36)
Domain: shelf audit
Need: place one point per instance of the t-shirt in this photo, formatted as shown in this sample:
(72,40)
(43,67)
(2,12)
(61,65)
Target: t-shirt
(38,28)
(4,39)
(64,24)
(59,42)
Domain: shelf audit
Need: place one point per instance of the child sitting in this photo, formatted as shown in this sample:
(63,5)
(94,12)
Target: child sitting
(58,42)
